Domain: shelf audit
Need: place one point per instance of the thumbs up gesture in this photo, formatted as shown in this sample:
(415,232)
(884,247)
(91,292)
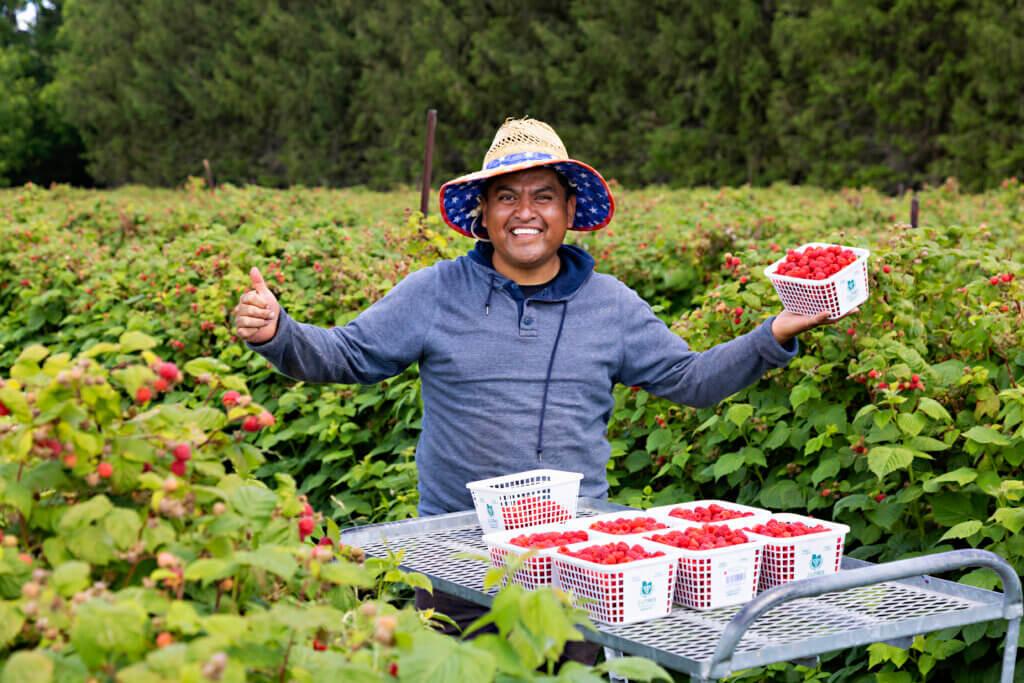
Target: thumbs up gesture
(257,312)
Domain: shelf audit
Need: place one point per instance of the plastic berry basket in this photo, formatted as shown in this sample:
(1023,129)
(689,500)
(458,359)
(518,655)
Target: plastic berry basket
(800,557)
(753,515)
(631,515)
(838,294)
(536,570)
(719,577)
(525,499)
(619,593)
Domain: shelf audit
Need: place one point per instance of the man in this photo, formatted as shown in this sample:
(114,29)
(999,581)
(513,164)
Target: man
(519,342)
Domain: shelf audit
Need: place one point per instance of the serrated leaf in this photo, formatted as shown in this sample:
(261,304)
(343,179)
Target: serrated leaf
(727,464)
(33,354)
(963,530)
(101,348)
(28,667)
(960,476)
(985,435)
(85,513)
(435,658)
(346,574)
(802,393)
(910,423)
(879,653)
(739,413)
(778,436)
(103,630)
(136,341)
(123,525)
(933,409)
(826,469)
(635,669)
(274,559)
(884,460)
(11,621)
(658,439)
(70,577)
(782,495)
(208,569)
(201,366)
(927,444)
(1010,518)
(253,502)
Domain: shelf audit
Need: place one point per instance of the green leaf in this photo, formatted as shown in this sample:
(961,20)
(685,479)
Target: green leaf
(826,469)
(100,348)
(124,526)
(33,354)
(658,439)
(933,409)
(884,460)
(436,658)
(927,444)
(274,559)
(11,621)
(779,435)
(70,577)
(182,617)
(727,464)
(986,435)
(253,502)
(802,393)
(879,653)
(635,668)
(203,366)
(782,495)
(739,413)
(103,631)
(92,544)
(208,569)
(28,667)
(963,530)
(346,573)
(135,341)
(960,476)
(1010,518)
(910,423)
(85,513)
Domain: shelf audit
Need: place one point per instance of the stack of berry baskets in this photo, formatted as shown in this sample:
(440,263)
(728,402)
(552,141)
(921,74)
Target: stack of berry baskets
(798,547)
(732,515)
(820,277)
(525,499)
(622,581)
(544,540)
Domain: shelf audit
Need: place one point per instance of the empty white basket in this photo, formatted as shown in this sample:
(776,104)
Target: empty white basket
(525,499)
(838,294)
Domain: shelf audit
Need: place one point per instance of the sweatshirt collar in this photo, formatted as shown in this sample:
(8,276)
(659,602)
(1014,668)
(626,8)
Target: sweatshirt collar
(577,265)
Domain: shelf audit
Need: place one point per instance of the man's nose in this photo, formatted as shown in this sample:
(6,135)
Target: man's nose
(525,209)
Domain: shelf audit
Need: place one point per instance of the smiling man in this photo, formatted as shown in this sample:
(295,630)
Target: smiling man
(519,342)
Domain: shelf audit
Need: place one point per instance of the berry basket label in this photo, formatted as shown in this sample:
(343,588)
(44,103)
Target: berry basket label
(647,592)
(815,559)
(849,292)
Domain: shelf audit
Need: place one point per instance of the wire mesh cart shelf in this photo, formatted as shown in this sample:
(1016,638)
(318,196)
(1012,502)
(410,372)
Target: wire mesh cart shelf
(864,603)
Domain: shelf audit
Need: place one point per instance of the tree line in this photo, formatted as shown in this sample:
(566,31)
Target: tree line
(887,93)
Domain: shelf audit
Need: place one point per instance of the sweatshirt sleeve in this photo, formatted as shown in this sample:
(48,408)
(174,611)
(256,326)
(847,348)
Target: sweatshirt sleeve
(381,342)
(659,361)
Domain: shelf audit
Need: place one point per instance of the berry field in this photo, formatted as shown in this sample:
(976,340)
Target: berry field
(171,506)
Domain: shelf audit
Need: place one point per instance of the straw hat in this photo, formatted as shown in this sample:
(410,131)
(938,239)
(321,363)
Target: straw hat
(521,144)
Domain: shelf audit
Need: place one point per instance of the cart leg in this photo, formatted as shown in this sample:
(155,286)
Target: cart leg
(609,655)
(1010,650)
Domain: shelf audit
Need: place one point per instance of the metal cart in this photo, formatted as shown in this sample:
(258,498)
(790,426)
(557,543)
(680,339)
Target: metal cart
(864,603)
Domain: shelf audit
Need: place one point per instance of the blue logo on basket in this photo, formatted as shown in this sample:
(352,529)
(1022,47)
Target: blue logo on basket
(490,510)
(815,561)
(646,587)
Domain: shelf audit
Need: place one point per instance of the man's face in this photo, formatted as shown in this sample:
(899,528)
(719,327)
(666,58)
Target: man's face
(526,215)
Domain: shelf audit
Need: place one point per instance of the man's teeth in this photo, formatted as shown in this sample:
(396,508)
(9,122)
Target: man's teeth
(525,231)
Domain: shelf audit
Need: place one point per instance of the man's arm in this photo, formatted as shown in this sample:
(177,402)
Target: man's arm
(657,359)
(385,339)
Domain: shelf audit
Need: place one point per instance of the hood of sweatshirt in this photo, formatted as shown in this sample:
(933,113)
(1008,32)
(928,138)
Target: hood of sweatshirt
(577,265)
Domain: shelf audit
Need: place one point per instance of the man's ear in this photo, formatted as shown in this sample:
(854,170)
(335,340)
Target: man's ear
(571,203)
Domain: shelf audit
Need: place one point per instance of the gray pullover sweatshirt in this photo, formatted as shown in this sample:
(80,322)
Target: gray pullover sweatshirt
(512,383)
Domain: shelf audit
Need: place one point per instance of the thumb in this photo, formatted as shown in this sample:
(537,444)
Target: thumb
(258,283)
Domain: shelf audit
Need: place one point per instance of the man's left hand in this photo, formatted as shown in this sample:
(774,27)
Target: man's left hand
(788,325)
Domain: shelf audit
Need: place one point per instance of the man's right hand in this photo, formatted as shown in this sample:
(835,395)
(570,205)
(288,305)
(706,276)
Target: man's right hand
(257,312)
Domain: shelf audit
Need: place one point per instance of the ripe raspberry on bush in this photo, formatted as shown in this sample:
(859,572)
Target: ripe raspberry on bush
(169,371)
(230,399)
(251,423)
(143,395)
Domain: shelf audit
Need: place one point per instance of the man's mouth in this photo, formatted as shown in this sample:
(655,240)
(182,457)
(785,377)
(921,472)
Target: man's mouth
(524,232)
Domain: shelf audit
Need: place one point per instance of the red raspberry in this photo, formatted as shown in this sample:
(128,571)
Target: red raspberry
(179,467)
(169,371)
(230,399)
(251,423)
(306,525)
(105,470)
(182,452)
(143,395)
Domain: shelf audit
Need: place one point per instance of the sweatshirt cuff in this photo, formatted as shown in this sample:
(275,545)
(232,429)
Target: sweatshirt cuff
(275,347)
(778,355)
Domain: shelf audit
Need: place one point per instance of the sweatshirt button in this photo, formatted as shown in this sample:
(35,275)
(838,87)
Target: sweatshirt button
(527,321)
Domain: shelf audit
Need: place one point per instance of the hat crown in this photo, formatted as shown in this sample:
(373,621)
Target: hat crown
(525,136)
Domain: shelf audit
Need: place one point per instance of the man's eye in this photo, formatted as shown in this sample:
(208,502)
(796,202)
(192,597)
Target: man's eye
(544,198)
(505,197)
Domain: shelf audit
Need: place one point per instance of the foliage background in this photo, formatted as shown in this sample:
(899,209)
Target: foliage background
(887,93)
